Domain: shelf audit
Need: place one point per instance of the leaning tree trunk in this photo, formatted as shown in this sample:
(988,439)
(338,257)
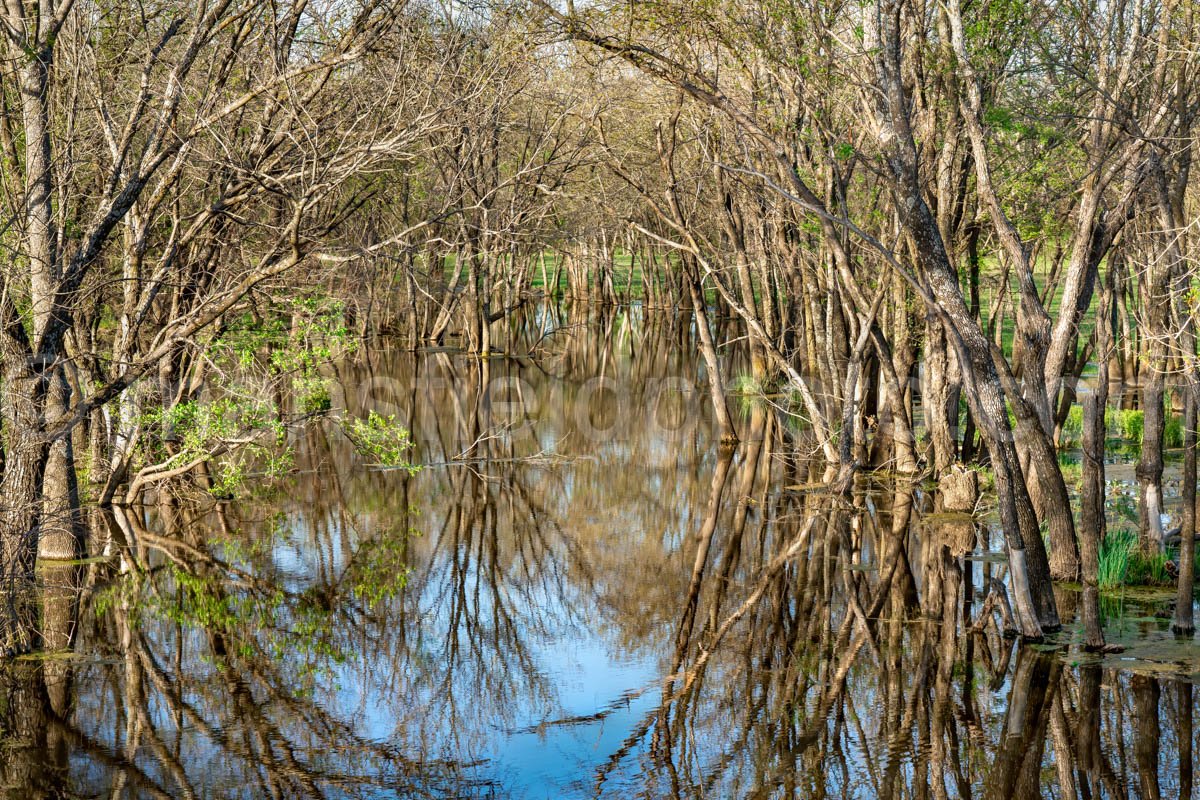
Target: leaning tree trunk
(1029,568)
(1048,491)
(712,363)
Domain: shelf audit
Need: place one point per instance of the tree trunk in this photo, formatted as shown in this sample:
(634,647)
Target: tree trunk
(1150,464)
(1184,623)
(940,393)
(1091,514)
(22,408)
(1156,301)
(62,535)
(1048,491)
(712,363)
(1147,734)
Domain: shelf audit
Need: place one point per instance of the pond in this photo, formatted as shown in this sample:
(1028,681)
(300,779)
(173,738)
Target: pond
(581,594)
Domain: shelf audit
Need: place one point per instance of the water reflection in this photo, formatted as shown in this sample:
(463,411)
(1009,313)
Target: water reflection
(585,596)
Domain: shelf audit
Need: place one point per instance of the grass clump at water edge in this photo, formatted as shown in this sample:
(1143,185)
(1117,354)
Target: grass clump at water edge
(1124,562)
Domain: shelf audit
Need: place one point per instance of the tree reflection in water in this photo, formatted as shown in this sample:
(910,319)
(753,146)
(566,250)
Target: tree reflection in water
(573,602)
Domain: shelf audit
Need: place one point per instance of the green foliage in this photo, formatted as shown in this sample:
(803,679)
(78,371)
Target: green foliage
(299,338)
(745,384)
(235,425)
(379,570)
(1133,423)
(381,439)
(1173,431)
(312,392)
(1126,424)
(1148,569)
(300,629)
(1129,424)
(241,428)
(1112,421)
(999,118)
(1072,429)
(1072,470)
(1124,504)
(195,424)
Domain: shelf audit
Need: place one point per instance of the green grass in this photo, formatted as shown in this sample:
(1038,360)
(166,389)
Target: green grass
(629,273)
(1114,558)
(1123,562)
(1148,569)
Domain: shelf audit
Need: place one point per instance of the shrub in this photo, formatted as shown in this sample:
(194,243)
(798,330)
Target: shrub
(1133,423)
(1072,429)
(230,431)
(1173,431)
(1112,421)
(1124,423)
(382,439)
(1129,424)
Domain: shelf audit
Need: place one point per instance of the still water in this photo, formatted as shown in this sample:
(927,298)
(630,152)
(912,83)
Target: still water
(580,595)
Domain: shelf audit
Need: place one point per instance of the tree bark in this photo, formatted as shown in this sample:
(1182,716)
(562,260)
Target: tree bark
(63,532)
(941,387)
(1092,524)
(712,361)
(1184,623)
